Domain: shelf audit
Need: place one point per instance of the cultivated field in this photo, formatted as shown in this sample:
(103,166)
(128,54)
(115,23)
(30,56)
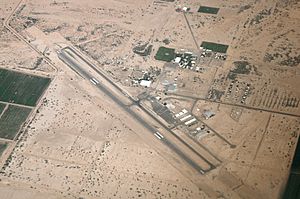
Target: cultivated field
(2,147)
(11,121)
(2,107)
(20,88)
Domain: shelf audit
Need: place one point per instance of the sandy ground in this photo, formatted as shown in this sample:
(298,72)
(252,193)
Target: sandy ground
(88,151)
(78,143)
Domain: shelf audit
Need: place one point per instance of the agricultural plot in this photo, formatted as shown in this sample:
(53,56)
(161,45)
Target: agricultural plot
(3,146)
(165,54)
(293,184)
(215,47)
(208,10)
(2,106)
(21,88)
(12,120)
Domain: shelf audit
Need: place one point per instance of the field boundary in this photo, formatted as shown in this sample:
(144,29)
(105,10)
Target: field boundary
(21,88)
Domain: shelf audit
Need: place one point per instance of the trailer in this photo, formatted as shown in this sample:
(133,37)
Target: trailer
(185,118)
(190,121)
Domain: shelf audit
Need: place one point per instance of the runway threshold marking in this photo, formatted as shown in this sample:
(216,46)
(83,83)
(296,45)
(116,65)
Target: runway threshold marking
(158,135)
(93,81)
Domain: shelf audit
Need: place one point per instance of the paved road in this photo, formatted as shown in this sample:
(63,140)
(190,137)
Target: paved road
(237,105)
(73,59)
(191,31)
(20,37)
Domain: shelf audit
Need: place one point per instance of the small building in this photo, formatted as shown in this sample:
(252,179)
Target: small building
(185,9)
(184,111)
(208,114)
(171,87)
(190,122)
(177,60)
(145,83)
(185,118)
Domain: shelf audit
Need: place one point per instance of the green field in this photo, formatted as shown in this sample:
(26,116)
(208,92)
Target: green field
(3,146)
(292,189)
(2,106)
(20,88)
(11,121)
(220,48)
(209,10)
(165,54)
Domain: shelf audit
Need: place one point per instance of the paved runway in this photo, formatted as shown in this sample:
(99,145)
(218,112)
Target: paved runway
(74,61)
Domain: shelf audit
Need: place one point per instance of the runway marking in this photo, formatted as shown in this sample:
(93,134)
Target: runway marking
(91,80)
(160,135)
(95,80)
(157,136)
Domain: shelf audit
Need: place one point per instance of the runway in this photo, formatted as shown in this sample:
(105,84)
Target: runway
(77,63)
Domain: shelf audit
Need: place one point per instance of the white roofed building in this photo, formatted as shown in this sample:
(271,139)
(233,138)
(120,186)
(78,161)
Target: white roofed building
(145,83)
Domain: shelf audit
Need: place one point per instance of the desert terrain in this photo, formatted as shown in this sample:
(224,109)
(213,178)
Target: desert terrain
(148,98)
